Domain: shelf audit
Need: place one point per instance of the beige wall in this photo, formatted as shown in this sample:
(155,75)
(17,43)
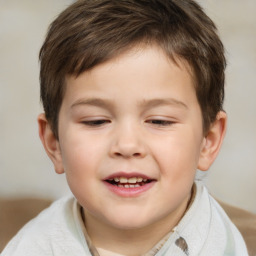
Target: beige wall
(24,167)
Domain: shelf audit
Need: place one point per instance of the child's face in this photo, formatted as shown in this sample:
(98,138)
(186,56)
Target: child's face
(137,117)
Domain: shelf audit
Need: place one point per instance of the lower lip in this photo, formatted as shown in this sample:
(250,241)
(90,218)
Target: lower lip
(129,192)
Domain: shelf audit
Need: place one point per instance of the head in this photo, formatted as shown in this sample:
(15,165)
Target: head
(89,33)
(133,94)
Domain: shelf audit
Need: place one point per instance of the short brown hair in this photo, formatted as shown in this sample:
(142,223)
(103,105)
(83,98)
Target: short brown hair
(90,32)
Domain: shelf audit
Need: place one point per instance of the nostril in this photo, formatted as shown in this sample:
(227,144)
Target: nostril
(127,149)
(127,154)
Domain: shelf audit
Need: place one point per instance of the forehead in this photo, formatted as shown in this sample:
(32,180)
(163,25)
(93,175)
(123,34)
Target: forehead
(135,50)
(137,71)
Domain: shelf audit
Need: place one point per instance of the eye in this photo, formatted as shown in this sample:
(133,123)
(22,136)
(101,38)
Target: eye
(159,122)
(97,122)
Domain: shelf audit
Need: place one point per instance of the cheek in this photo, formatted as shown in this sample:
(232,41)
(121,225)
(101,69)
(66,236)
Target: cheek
(81,169)
(178,154)
(80,155)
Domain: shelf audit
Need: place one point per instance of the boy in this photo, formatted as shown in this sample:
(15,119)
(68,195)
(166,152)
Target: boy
(132,92)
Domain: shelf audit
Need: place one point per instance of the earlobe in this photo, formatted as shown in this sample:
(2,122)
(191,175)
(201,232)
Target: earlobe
(212,142)
(50,143)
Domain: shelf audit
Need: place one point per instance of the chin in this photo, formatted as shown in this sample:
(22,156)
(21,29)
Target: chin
(127,222)
(129,225)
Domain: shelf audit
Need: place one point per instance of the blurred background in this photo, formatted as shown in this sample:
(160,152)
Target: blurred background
(25,169)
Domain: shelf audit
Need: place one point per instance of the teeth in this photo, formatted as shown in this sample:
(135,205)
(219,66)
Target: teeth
(123,180)
(132,180)
(128,186)
(128,182)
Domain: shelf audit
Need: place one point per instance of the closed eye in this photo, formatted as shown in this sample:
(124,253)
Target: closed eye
(96,122)
(159,122)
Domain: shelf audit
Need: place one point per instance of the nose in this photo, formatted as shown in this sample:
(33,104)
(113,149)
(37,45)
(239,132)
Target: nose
(128,143)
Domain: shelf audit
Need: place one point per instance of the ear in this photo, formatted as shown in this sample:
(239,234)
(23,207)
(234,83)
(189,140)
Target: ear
(50,143)
(212,142)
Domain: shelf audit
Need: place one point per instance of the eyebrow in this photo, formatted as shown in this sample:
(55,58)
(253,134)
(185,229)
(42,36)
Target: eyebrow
(163,101)
(104,103)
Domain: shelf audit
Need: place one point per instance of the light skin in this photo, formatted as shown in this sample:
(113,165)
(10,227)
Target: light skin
(135,115)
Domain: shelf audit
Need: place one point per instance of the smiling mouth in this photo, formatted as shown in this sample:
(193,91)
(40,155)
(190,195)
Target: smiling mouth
(133,182)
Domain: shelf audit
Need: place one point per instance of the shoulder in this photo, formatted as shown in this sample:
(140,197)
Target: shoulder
(57,213)
(53,232)
(245,222)
(216,227)
(225,228)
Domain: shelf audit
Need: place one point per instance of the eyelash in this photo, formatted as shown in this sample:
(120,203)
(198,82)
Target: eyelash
(96,122)
(159,122)
(101,122)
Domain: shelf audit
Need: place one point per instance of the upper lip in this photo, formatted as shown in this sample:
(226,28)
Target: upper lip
(128,175)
